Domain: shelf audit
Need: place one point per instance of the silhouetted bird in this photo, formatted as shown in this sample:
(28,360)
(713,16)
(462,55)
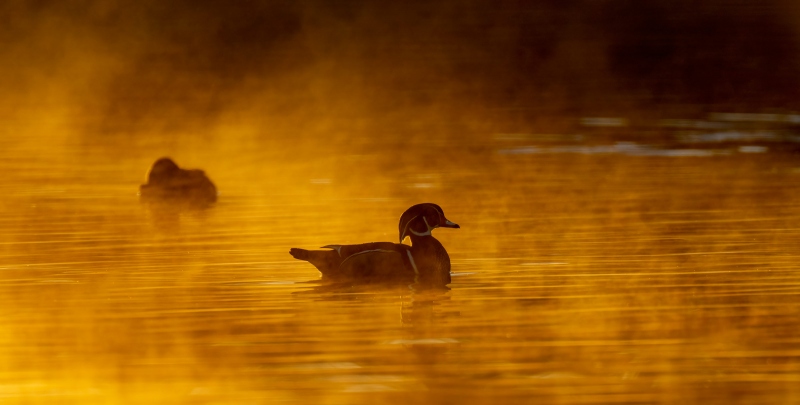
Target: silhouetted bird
(167,180)
(424,262)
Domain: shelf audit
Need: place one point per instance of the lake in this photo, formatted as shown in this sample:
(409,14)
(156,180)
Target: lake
(615,263)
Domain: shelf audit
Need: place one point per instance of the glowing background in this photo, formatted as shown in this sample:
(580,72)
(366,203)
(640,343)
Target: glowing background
(624,174)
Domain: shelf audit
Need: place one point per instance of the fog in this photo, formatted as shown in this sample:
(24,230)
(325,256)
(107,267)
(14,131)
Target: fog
(322,69)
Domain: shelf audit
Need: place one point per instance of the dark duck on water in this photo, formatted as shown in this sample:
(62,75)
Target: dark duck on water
(424,262)
(168,181)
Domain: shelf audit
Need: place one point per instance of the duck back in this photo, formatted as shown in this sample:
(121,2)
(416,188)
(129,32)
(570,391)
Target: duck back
(374,261)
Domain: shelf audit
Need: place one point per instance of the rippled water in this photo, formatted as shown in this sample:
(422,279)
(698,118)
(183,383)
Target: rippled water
(583,273)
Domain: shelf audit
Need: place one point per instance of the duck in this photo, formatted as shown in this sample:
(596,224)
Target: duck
(425,262)
(165,180)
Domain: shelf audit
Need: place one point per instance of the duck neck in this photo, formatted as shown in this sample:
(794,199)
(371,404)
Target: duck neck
(418,241)
(431,260)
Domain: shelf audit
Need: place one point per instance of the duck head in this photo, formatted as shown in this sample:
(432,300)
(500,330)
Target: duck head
(162,169)
(421,219)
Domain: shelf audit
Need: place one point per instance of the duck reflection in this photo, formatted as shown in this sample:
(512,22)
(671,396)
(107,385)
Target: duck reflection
(168,182)
(424,264)
(420,305)
(426,307)
(166,215)
(329,290)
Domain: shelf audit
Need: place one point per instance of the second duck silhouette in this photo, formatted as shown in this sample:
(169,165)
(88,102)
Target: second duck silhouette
(168,181)
(424,262)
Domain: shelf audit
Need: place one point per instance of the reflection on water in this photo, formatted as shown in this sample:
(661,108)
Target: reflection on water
(626,148)
(577,277)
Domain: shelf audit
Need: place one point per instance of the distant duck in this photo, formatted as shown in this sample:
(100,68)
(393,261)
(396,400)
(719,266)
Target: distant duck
(168,181)
(425,261)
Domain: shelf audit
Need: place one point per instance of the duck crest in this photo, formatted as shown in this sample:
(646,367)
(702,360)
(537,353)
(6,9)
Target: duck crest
(421,219)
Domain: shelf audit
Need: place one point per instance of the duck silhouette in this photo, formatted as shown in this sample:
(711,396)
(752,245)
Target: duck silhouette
(166,180)
(425,262)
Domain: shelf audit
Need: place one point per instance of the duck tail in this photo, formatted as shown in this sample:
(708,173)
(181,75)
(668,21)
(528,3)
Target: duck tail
(299,254)
(326,261)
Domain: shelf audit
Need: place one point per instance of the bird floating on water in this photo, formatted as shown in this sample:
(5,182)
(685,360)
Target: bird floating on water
(166,180)
(424,262)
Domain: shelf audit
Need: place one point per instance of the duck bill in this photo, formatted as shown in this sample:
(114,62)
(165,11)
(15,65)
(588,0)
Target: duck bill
(448,224)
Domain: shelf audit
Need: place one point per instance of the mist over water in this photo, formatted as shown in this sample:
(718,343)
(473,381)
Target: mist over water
(624,175)
(316,67)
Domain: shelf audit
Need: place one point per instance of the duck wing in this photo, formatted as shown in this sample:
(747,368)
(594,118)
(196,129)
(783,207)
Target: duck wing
(374,261)
(379,265)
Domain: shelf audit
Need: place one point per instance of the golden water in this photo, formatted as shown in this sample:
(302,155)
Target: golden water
(578,278)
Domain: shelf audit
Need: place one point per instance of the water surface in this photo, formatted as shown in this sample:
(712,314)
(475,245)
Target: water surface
(597,271)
